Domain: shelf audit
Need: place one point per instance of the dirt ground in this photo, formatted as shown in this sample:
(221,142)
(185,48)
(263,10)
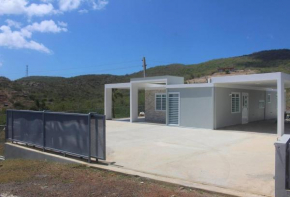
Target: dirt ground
(37,178)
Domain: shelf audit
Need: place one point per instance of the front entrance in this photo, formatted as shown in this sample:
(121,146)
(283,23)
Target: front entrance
(173,104)
(245,108)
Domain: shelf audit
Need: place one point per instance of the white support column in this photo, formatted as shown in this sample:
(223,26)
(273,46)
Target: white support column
(133,102)
(108,103)
(280,106)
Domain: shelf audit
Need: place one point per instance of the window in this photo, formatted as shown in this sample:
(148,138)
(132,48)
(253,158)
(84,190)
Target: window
(268,98)
(160,102)
(261,104)
(235,102)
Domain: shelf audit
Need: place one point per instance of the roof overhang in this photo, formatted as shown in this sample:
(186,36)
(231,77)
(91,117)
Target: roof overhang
(266,81)
(140,85)
(118,85)
(167,79)
(194,85)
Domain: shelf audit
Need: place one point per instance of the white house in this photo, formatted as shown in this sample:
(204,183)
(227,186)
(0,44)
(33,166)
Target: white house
(224,101)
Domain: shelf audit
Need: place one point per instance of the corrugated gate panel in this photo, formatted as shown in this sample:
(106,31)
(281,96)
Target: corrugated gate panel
(27,127)
(67,133)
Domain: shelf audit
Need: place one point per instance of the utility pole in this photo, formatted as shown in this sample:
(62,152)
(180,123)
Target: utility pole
(26,70)
(144,66)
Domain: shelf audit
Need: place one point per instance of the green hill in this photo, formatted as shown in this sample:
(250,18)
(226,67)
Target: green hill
(85,93)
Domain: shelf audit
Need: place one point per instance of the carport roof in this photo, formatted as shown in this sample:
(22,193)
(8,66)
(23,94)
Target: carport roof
(166,79)
(265,80)
(148,82)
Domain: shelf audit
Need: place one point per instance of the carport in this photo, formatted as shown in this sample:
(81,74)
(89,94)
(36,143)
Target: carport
(267,82)
(136,84)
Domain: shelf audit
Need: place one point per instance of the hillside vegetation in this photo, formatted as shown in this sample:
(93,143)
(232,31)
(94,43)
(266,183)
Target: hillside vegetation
(86,93)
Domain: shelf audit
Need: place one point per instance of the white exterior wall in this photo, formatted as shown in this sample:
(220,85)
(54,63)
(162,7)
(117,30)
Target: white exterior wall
(196,107)
(133,102)
(108,103)
(224,116)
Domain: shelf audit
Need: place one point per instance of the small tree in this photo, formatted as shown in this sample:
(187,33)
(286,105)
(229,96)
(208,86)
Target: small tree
(115,97)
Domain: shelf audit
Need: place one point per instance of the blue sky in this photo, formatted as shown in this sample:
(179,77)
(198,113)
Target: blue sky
(76,37)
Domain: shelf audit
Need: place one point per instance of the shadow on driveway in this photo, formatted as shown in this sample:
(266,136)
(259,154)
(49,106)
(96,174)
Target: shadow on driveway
(264,126)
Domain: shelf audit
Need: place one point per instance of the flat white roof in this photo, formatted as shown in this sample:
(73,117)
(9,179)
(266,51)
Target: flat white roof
(118,85)
(167,79)
(246,78)
(192,85)
(265,80)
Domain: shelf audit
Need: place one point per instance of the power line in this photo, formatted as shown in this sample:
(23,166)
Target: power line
(121,68)
(94,72)
(80,73)
(75,68)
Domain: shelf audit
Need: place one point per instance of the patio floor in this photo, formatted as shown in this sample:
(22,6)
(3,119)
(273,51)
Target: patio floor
(241,161)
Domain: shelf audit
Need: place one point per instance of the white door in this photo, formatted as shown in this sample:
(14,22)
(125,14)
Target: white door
(245,108)
(173,105)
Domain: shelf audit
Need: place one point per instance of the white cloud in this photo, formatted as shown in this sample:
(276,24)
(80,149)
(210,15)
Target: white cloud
(18,7)
(83,11)
(40,9)
(63,24)
(45,7)
(12,23)
(47,1)
(101,4)
(21,39)
(66,5)
(18,40)
(16,35)
(45,26)
(1,64)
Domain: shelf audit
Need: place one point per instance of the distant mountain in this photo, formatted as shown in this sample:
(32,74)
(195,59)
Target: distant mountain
(86,93)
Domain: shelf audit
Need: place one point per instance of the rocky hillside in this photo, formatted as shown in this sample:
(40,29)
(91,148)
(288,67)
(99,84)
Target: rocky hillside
(85,93)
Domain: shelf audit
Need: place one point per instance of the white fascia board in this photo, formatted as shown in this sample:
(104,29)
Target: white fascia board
(199,85)
(151,81)
(244,87)
(247,78)
(118,85)
(155,86)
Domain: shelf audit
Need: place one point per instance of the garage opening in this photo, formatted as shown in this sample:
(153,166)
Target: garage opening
(254,105)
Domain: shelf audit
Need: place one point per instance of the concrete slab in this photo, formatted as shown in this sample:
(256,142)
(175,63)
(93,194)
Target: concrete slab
(264,126)
(13,151)
(240,161)
(105,166)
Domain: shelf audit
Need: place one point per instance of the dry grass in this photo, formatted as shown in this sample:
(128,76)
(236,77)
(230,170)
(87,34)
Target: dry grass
(36,178)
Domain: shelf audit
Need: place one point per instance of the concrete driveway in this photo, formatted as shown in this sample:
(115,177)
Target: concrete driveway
(240,161)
